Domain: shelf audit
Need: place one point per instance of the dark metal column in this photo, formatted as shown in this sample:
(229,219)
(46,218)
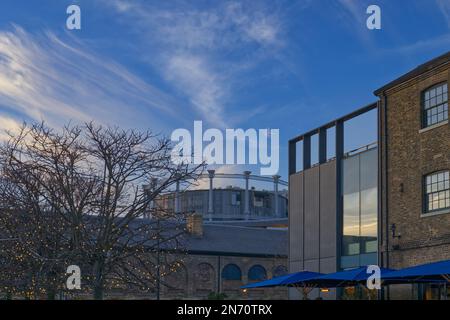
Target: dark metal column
(292,157)
(339,203)
(322,145)
(306,152)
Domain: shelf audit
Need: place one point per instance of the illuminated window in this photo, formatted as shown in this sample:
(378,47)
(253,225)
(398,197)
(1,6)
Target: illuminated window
(435,105)
(437,191)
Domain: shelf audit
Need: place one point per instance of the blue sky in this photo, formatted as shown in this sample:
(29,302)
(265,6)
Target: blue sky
(160,65)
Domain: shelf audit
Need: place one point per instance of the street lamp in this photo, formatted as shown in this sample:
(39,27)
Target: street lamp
(149,190)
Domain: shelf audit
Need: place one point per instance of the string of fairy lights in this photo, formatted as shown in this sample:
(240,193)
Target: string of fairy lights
(27,276)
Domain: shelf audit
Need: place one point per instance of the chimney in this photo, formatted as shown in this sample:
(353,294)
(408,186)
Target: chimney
(195,224)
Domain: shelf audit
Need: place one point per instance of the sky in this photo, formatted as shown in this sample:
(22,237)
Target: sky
(160,65)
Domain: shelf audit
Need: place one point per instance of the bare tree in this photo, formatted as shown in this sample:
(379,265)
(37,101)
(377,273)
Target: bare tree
(81,188)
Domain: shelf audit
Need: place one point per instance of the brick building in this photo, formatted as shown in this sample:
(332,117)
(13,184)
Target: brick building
(415,157)
(387,203)
(220,258)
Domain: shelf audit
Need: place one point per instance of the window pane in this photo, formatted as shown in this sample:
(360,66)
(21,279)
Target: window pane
(437,191)
(369,169)
(351,214)
(359,207)
(435,105)
(351,175)
(369,212)
(369,220)
(432,92)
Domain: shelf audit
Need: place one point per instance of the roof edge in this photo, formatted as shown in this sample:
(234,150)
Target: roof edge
(427,66)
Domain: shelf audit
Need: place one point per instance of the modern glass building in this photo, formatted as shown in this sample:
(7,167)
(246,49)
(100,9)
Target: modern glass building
(333,206)
(386,204)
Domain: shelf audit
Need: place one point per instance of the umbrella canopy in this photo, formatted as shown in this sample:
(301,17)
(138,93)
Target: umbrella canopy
(292,279)
(345,278)
(430,272)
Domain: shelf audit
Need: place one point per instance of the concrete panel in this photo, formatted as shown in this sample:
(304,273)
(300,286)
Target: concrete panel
(296,266)
(294,294)
(312,265)
(296,217)
(328,210)
(328,265)
(312,213)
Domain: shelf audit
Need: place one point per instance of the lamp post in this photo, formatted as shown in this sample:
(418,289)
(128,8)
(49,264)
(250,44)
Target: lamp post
(149,190)
(276,179)
(247,197)
(210,194)
(177,196)
(158,263)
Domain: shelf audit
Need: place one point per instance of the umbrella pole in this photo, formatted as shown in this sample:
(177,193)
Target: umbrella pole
(305,293)
(301,290)
(307,290)
(445,287)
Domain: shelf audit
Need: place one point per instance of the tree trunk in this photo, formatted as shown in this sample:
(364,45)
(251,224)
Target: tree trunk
(98,292)
(98,280)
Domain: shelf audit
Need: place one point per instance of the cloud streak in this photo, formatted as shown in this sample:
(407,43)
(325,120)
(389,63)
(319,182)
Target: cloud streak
(45,78)
(203,52)
(444,7)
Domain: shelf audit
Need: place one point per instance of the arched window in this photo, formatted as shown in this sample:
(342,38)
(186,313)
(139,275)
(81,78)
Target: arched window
(257,273)
(435,104)
(437,191)
(231,272)
(205,272)
(280,271)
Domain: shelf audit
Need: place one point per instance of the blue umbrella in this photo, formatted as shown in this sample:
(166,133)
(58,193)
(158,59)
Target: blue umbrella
(344,278)
(293,279)
(430,272)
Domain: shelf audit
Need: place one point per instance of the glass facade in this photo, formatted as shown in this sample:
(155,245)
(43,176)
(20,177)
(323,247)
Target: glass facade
(360,206)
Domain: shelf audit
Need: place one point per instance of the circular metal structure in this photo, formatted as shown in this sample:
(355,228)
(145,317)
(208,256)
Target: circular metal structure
(243,176)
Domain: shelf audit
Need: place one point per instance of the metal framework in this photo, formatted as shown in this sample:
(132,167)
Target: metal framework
(338,124)
(246,175)
(322,132)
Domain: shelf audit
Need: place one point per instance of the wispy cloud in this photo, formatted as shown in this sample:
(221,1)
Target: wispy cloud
(444,7)
(45,78)
(192,75)
(8,125)
(354,16)
(418,46)
(203,52)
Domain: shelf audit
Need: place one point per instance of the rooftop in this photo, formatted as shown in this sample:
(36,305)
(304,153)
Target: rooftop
(427,66)
(236,240)
(220,239)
